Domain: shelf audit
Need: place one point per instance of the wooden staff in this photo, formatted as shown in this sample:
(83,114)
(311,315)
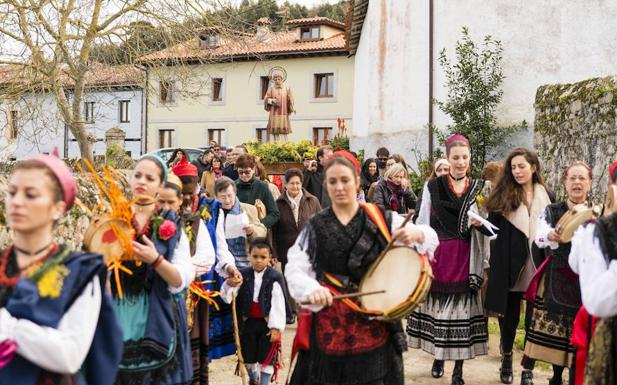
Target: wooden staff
(350,295)
(243,373)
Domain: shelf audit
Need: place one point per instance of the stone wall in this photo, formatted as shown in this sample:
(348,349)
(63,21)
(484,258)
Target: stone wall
(577,121)
(70,229)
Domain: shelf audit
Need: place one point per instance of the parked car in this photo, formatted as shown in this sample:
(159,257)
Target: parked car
(165,153)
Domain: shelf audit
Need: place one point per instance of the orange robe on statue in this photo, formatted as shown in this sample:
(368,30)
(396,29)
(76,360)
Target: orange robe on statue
(278,122)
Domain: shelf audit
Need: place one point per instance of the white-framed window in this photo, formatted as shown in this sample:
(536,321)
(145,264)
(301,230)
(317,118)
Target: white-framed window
(321,135)
(166,92)
(13,120)
(217,135)
(261,134)
(124,111)
(89,112)
(166,138)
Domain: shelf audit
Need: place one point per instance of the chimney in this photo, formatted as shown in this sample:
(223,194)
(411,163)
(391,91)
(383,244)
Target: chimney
(263,29)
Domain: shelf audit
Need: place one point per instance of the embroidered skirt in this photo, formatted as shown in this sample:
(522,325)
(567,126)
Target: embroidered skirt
(450,327)
(548,337)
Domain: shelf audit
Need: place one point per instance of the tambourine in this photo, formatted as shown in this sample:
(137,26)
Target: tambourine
(108,236)
(575,217)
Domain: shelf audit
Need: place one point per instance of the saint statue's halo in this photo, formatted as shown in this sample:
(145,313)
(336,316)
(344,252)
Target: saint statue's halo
(278,70)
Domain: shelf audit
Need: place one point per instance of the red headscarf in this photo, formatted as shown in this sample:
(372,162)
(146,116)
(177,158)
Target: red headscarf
(350,157)
(184,168)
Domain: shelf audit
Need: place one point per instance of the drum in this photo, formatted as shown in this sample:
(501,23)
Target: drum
(108,236)
(571,220)
(405,276)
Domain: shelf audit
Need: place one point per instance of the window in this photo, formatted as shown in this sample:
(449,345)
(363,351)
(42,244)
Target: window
(264,84)
(209,41)
(321,135)
(166,138)
(217,89)
(166,92)
(124,111)
(216,134)
(324,85)
(89,112)
(309,33)
(262,135)
(13,116)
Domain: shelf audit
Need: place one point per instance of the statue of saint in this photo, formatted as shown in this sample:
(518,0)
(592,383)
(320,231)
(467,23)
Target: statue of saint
(279,102)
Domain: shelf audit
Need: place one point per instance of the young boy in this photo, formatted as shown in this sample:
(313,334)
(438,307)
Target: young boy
(260,304)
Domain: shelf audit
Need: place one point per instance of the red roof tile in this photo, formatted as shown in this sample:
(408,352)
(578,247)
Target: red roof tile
(317,20)
(249,46)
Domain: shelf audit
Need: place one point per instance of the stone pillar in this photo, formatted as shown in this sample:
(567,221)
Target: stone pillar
(115,136)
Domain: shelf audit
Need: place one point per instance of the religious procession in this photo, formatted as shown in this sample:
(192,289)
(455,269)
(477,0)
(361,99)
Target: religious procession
(308,193)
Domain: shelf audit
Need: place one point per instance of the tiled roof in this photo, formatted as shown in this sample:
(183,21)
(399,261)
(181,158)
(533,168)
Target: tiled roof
(98,75)
(355,20)
(277,43)
(317,20)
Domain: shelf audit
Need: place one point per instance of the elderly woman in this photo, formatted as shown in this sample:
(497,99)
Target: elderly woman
(296,206)
(250,189)
(393,191)
(241,222)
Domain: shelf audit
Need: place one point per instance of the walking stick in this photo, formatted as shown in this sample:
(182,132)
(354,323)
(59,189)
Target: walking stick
(242,368)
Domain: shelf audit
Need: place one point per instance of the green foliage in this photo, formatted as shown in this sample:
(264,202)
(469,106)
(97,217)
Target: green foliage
(117,157)
(474,91)
(425,168)
(272,153)
(339,142)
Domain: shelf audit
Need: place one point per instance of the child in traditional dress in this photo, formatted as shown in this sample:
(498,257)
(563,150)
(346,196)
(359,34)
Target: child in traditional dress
(261,306)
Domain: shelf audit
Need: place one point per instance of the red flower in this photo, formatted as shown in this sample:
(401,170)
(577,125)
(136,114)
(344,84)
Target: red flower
(167,229)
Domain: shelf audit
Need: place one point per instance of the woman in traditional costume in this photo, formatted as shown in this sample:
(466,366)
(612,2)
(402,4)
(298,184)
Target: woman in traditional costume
(153,319)
(593,257)
(557,296)
(450,324)
(335,248)
(515,204)
(57,323)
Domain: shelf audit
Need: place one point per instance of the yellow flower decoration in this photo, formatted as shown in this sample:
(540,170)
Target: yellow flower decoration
(50,284)
(205,214)
(480,201)
(189,232)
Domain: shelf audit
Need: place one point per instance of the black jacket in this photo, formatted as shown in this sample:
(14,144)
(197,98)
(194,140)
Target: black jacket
(230,172)
(381,197)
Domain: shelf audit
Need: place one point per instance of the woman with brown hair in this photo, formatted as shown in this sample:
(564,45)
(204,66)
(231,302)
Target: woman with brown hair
(515,203)
(450,324)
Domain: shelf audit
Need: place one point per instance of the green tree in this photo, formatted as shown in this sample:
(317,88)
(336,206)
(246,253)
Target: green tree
(474,92)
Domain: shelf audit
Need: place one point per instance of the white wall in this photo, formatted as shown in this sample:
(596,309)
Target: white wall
(41,128)
(545,41)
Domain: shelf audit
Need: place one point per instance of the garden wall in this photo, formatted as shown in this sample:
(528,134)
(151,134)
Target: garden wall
(577,121)
(70,229)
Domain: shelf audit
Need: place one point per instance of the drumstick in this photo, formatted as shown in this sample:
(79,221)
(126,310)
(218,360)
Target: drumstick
(349,295)
(407,219)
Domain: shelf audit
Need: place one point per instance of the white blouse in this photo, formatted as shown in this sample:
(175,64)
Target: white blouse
(301,278)
(598,279)
(63,349)
(277,316)
(181,261)
(225,257)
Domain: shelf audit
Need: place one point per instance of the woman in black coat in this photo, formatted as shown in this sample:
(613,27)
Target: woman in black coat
(514,206)
(393,191)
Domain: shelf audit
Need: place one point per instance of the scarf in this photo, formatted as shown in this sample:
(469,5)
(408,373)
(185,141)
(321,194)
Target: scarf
(237,245)
(295,204)
(396,194)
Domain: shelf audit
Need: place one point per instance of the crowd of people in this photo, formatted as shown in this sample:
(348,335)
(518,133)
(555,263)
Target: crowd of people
(217,239)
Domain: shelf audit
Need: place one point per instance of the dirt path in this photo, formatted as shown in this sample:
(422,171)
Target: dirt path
(480,371)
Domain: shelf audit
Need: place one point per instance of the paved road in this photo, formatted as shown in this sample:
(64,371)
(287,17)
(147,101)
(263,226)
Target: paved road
(480,371)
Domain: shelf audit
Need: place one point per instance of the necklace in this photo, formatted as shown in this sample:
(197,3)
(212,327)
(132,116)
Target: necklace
(31,253)
(457,179)
(451,186)
(4,261)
